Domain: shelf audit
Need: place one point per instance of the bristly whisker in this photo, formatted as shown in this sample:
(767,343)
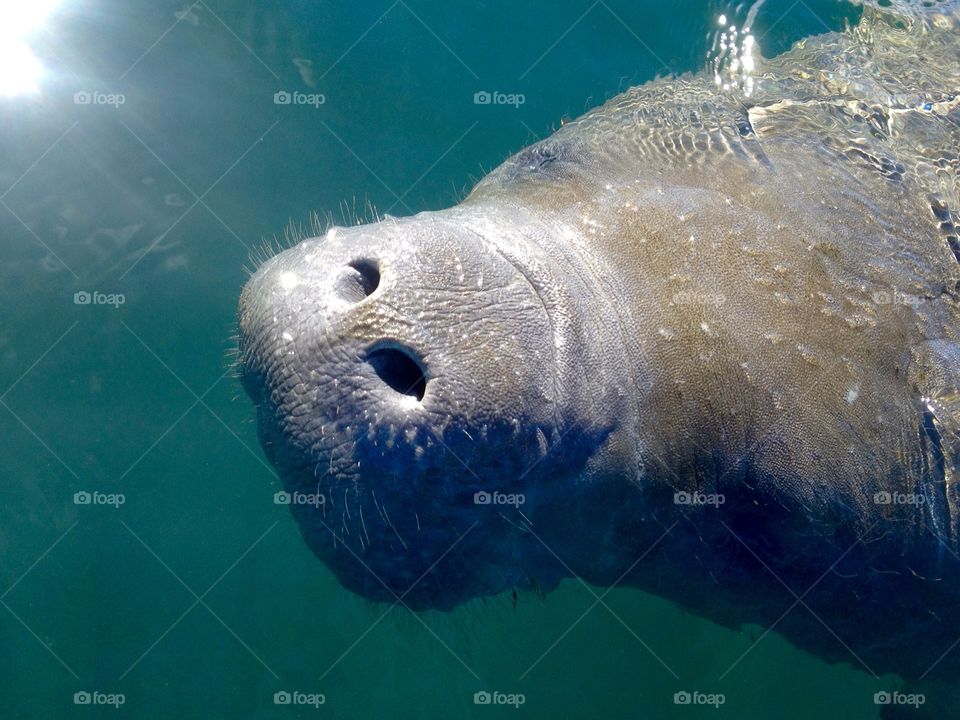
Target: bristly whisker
(315,226)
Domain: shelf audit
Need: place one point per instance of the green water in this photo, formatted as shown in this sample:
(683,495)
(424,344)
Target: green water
(196,598)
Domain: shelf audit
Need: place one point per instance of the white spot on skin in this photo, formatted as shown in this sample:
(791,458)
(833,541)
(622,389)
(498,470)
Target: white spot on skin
(852,394)
(409,402)
(722,20)
(289,280)
(288,337)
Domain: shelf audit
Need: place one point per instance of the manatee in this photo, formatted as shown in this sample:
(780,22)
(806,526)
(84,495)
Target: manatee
(702,342)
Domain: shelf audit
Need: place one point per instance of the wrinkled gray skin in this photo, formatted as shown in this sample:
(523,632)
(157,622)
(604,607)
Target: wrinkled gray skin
(684,290)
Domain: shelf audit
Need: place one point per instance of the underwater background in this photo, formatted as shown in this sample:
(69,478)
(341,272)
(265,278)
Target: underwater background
(145,567)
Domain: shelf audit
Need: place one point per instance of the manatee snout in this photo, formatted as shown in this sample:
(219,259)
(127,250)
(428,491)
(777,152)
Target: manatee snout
(406,373)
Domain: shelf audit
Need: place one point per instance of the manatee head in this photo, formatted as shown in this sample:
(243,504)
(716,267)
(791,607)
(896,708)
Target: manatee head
(424,396)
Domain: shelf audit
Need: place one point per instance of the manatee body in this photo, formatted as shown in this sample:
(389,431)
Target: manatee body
(695,342)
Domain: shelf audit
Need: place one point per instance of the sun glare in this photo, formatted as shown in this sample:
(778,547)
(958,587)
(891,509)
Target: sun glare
(20,71)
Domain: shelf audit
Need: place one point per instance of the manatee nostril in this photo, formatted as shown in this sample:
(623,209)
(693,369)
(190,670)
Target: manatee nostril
(358,280)
(400,370)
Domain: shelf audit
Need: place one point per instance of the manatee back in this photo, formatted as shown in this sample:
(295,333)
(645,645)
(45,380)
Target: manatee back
(879,104)
(842,169)
(787,264)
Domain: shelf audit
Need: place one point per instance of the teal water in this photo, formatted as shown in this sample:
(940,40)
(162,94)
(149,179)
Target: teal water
(195,597)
